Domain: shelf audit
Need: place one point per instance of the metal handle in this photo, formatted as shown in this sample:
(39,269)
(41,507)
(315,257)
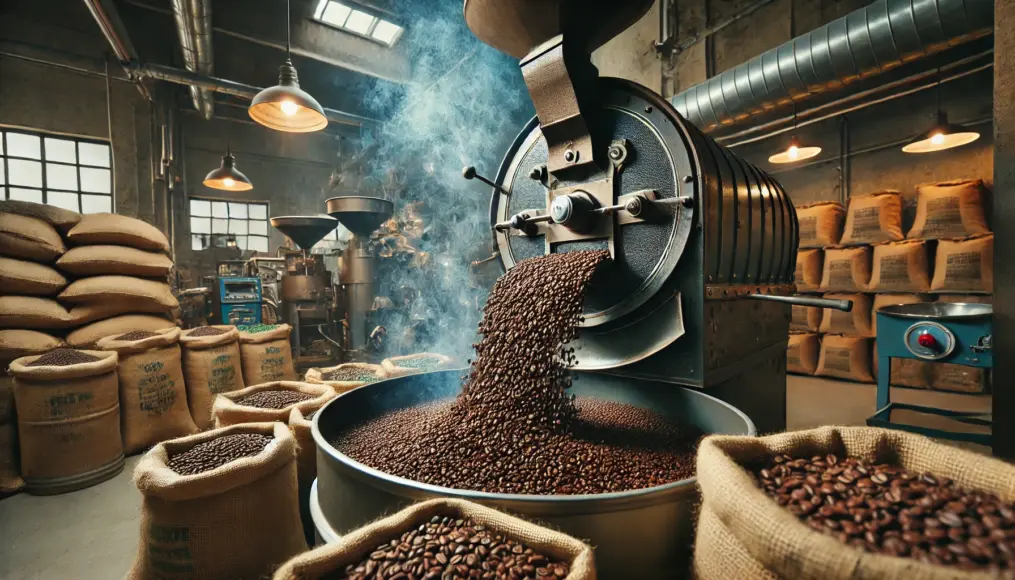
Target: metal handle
(843,305)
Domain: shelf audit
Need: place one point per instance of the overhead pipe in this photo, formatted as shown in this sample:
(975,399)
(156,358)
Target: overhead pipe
(105,15)
(193,28)
(864,43)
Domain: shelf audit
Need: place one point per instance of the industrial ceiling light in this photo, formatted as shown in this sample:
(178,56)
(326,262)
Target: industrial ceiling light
(942,135)
(795,152)
(227,177)
(286,107)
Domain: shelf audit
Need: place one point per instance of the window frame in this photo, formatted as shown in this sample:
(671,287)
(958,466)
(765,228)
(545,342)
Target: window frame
(226,200)
(322,6)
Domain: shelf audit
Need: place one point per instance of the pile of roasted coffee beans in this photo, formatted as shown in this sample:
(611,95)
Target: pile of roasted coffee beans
(255,328)
(420,362)
(453,548)
(207,331)
(62,357)
(137,335)
(351,374)
(217,452)
(515,428)
(273,399)
(889,510)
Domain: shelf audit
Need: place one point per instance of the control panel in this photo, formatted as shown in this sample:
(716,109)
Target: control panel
(236,290)
(930,340)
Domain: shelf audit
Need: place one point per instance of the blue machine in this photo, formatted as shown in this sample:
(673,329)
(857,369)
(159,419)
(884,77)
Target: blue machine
(941,333)
(238,300)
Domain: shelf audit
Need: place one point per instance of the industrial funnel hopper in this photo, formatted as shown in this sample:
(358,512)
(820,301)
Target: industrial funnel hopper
(304,230)
(359,214)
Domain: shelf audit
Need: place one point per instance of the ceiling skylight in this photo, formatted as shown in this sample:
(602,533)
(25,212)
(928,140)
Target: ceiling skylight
(350,19)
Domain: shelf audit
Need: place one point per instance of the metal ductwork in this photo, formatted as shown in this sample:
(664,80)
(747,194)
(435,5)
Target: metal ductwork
(864,43)
(193,26)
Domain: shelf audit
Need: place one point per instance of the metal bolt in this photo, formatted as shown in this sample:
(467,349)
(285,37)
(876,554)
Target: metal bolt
(537,172)
(615,153)
(648,109)
(688,179)
(686,201)
(570,156)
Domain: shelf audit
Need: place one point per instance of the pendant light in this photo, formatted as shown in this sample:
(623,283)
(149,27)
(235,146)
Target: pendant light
(795,152)
(227,177)
(942,134)
(286,107)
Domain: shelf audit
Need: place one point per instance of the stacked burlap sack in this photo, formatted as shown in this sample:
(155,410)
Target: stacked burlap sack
(742,533)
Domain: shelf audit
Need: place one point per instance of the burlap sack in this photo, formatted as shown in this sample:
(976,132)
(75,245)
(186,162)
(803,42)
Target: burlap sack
(820,223)
(966,298)
(394,366)
(872,218)
(21,277)
(90,334)
(211,365)
(68,419)
(900,267)
(306,448)
(228,412)
(117,230)
(856,322)
(760,539)
(237,521)
(88,313)
(845,357)
(806,318)
(114,260)
(316,376)
(61,219)
(32,312)
(808,270)
(958,378)
(267,356)
(951,209)
(18,343)
(906,372)
(130,290)
(882,300)
(330,560)
(965,265)
(846,269)
(29,238)
(802,353)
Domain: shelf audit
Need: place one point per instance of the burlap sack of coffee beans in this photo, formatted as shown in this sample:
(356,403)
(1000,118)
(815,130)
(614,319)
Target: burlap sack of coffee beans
(872,218)
(845,357)
(90,334)
(18,343)
(211,366)
(301,424)
(965,265)
(555,548)
(882,300)
(802,353)
(951,209)
(29,238)
(62,219)
(114,260)
(153,396)
(267,355)
(32,312)
(820,223)
(238,520)
(905,372)
(424,362)
(807,318)
(846,269)
(125,289)
(23,277)
(745,534)
(346,376)
(856,322)
(68,416)
(809,265)
(88,313)
(273,402)
(117,230)
(900,267)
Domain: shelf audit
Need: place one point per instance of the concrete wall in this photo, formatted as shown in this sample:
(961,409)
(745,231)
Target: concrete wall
(631,54)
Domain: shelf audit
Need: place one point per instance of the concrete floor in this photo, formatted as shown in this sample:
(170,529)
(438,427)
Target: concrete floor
(93,533)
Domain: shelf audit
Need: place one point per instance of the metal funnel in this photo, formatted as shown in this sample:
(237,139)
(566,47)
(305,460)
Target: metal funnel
(361,215)
(304,230)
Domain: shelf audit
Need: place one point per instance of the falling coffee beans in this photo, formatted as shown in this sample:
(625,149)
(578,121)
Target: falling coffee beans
(217,452)
(63,357)
(453,548)
(278,399)
(889,510)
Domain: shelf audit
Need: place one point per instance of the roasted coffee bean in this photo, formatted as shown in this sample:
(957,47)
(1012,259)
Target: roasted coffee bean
(354,374)
(207,331)
(62,357)
(891,511)
(137,335)
(274,399)
(217,452)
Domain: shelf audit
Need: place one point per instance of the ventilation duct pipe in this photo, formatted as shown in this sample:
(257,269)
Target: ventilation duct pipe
(193,26)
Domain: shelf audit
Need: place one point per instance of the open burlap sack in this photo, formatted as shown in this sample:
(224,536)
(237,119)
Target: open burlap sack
(802,353)
(153,397)
(845,357)
(32,312)
(882,300)
(965,265)
(114,260)
(29,238)
(306,448)
(211,366)
(846,269)
(128,289)
(808,269)
(267,356)
(61,219)
(228,412)
(856,322)
(373,373)
(23,277)
(950,209)
(117,230)
(900,267)
(958,378)
(330,560)
(90,334)
(806,318)
(872,218)
(820,223)
(18,343)
(399,366)
(68,419)
(759,539)
(237,521)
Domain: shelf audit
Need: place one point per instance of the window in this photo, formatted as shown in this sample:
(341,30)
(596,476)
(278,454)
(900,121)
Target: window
(225,221)
(336,239)
(358,22)
(67,172)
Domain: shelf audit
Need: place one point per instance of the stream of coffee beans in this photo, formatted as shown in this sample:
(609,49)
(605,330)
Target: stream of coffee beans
(217,452)
(514,428)
(137,335)
(207,331)
(62,357)
(279,399)
(889,510)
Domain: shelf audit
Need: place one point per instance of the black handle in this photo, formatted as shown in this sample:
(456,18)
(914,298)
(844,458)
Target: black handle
(843,305)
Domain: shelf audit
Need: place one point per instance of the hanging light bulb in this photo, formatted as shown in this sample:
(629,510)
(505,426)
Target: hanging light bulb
(795,152)
(285,106)
(942,135)
(227,177)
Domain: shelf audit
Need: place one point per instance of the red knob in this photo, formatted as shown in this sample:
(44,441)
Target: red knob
(927,340)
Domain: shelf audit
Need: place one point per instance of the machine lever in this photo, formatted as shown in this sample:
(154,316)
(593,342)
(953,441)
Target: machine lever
(470,173)
(843,305)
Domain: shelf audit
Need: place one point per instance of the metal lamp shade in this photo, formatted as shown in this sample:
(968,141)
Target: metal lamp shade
(795,152)
(943,135)
(227,177)
(286,107)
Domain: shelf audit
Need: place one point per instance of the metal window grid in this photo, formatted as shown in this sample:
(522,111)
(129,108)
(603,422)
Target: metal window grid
(229,219)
